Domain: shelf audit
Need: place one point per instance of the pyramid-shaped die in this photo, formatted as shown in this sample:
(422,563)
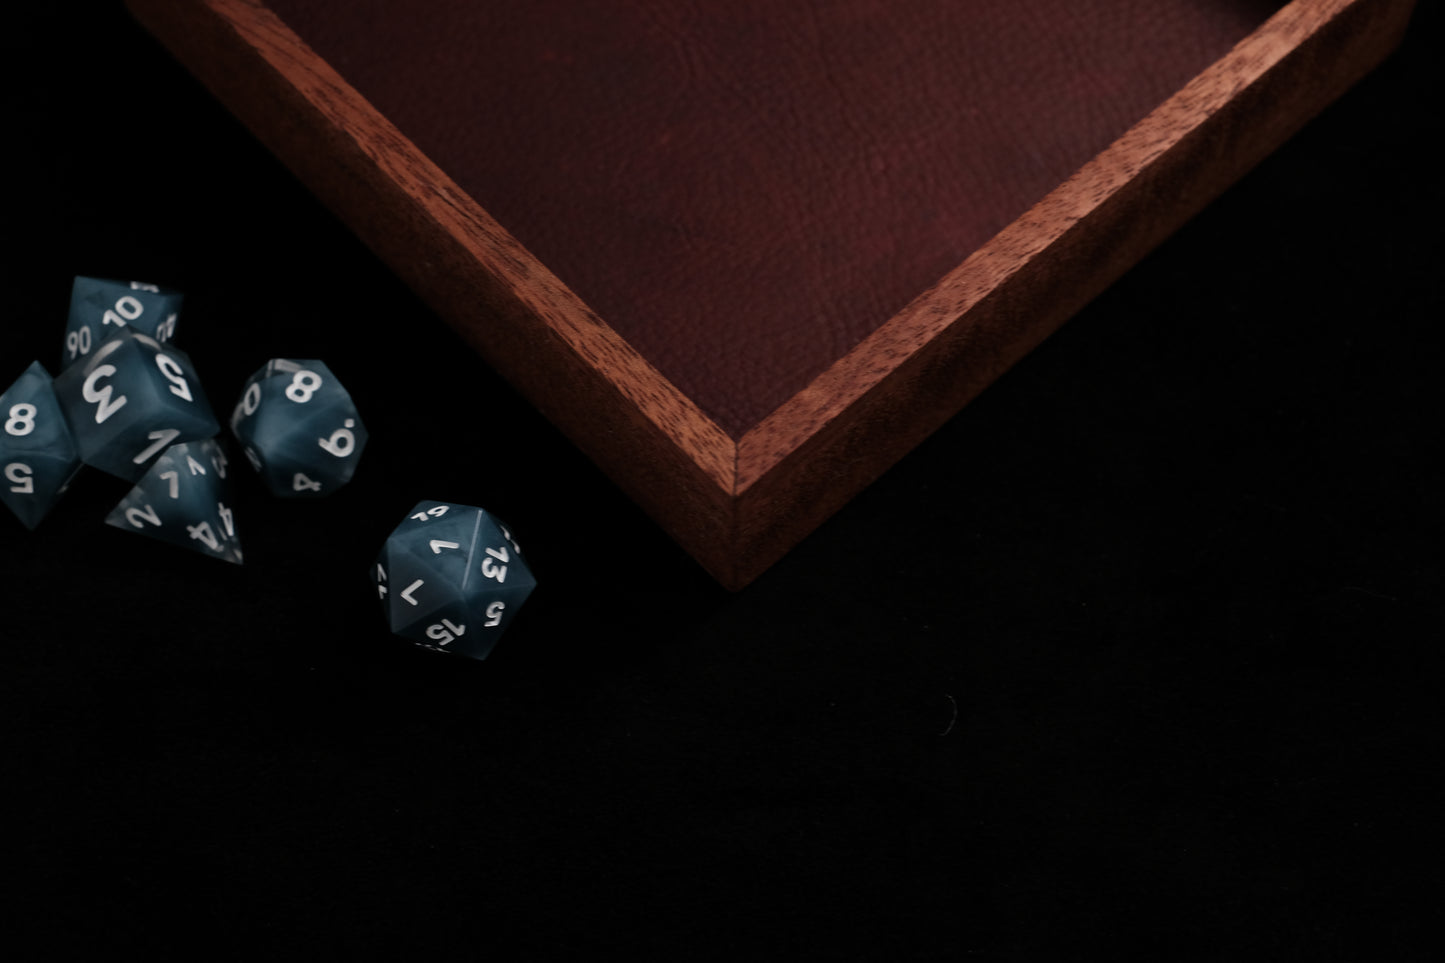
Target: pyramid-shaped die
(451,577)
(184,499)
(38,457)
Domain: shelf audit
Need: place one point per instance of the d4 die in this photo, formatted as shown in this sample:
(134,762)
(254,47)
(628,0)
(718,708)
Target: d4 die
(184,499)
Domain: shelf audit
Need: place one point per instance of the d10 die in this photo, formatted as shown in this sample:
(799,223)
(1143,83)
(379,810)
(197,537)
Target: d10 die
(183,499)
(38,457)
(100,308)
(451,577)
(299,428)
(130,400)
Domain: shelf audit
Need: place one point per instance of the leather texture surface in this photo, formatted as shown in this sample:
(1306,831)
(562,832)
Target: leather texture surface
(745,189)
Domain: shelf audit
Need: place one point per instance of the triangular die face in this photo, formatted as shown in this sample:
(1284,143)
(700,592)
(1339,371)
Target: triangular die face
(32,486)
(127,402)
(417,591)
(42,427)
(101,308)
(497,565)
(447,629)
(38,456)
(183,500)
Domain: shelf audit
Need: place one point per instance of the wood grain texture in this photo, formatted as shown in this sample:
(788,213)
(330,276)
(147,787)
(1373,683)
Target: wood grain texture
(743,189)
(512,309)
(913,374)
(738,506)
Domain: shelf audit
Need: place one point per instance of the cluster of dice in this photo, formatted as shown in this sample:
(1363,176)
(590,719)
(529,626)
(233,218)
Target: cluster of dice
(128,403)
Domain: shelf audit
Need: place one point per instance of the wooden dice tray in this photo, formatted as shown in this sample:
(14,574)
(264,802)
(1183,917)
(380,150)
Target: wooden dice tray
(747,255)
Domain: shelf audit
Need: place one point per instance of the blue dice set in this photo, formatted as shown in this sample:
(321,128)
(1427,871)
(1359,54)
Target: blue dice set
(129,403)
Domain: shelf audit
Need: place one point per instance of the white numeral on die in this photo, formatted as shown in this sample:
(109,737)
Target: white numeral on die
(22,419)
(205,534)
(100,397)
(303,385)
(494,614)
(136,516)
(251,400)
(78,342)
(159,440)
(175,376)
(23,477)
(341,443)
(126,309)
(491,569)
(444,631)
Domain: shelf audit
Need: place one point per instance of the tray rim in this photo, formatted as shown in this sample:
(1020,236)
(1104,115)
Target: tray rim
(738,505)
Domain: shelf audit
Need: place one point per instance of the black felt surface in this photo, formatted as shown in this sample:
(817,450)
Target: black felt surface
(1136,657)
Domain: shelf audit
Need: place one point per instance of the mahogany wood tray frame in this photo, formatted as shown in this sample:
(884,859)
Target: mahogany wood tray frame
(739,500)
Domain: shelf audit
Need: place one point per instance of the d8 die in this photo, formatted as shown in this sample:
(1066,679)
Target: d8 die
(100,308)
(130,400)
(183,499)
(451,577)
(299,428)
(38,457)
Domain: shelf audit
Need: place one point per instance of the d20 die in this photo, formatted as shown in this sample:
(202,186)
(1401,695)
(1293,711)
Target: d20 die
(132,399)
(183,499)
(451,578)
(100,308)
(299,428)
(38,457)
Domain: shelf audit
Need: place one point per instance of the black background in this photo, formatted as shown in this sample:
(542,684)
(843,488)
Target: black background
(1135,657)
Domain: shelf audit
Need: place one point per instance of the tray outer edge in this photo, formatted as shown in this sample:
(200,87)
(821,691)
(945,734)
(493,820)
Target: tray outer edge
(738,508)
(649,438)
(919,369)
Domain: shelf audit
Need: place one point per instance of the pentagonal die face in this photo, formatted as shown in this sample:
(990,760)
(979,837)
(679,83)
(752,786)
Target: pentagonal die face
(101,308)
(38,457)
(130,400)
(184,499)
(451,578)
(299,428)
